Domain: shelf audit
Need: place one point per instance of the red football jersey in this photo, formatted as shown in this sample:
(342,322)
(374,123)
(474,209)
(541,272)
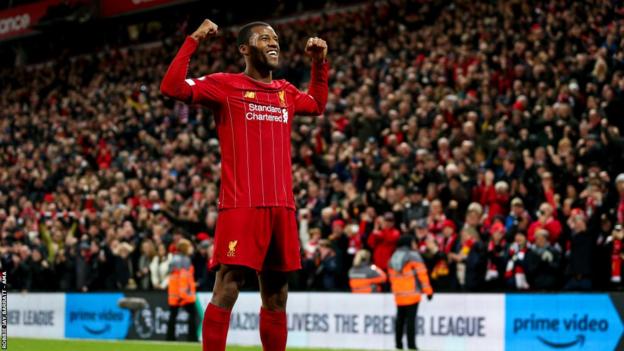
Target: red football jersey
(254,122)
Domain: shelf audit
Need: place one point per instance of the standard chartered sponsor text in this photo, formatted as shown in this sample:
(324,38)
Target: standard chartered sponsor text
(266,113)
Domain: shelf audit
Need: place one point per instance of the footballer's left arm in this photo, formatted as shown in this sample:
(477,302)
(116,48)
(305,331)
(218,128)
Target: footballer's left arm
(313,103)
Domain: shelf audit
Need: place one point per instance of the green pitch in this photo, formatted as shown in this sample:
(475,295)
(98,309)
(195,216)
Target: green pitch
(19,344)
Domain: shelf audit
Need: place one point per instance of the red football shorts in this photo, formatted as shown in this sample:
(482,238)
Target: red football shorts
(261,238)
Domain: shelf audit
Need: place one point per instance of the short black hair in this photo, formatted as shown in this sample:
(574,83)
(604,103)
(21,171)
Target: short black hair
(406,240)
(245,32)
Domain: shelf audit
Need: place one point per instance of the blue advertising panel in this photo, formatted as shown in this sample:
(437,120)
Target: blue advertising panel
(561,322)
(95,316)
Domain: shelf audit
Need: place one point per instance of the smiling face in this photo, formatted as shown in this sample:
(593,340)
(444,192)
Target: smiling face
(263,48)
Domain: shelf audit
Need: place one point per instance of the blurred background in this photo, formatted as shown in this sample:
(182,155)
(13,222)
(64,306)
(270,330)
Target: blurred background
(439,121)
(491,131)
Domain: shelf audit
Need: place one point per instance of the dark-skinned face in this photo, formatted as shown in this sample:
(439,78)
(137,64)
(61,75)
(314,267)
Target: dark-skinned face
(264,48)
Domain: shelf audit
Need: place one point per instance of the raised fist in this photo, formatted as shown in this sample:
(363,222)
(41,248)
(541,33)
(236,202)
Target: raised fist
(207,28)
(316,48)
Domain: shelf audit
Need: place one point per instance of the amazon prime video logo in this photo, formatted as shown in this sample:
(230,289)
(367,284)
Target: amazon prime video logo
(95,316)
(561,321)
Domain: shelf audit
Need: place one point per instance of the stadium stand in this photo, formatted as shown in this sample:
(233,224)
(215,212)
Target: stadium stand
(489,130)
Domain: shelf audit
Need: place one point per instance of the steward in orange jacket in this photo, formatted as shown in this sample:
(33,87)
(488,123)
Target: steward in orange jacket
(181,290)
(365,277)
(409,279)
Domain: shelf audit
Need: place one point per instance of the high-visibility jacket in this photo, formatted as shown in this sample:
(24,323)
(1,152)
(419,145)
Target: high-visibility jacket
(366,278)
(408,277)
(181,288)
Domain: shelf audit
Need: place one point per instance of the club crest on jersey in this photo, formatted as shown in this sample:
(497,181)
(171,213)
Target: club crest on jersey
(232,248)
(250,95)
(282,98)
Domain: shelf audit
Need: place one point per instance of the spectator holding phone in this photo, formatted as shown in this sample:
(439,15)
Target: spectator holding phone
(383,240)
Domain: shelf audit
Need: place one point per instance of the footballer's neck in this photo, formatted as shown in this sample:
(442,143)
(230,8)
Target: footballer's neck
(263,75)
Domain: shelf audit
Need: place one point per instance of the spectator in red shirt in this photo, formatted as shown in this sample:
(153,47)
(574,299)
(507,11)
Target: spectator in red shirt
(545,220)
(104,156)
(383,240)
(498,203)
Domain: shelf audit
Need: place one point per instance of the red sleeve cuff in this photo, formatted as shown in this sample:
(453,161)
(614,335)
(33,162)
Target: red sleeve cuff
(190,42)
(321,63)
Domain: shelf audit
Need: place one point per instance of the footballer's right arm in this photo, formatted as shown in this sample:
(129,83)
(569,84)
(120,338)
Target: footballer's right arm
(174,84)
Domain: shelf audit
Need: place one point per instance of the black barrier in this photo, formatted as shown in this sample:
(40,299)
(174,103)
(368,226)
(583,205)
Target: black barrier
(150,323)
(618,301)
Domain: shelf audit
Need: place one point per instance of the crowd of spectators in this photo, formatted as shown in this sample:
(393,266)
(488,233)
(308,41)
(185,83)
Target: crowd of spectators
(491,131)
(13,3)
